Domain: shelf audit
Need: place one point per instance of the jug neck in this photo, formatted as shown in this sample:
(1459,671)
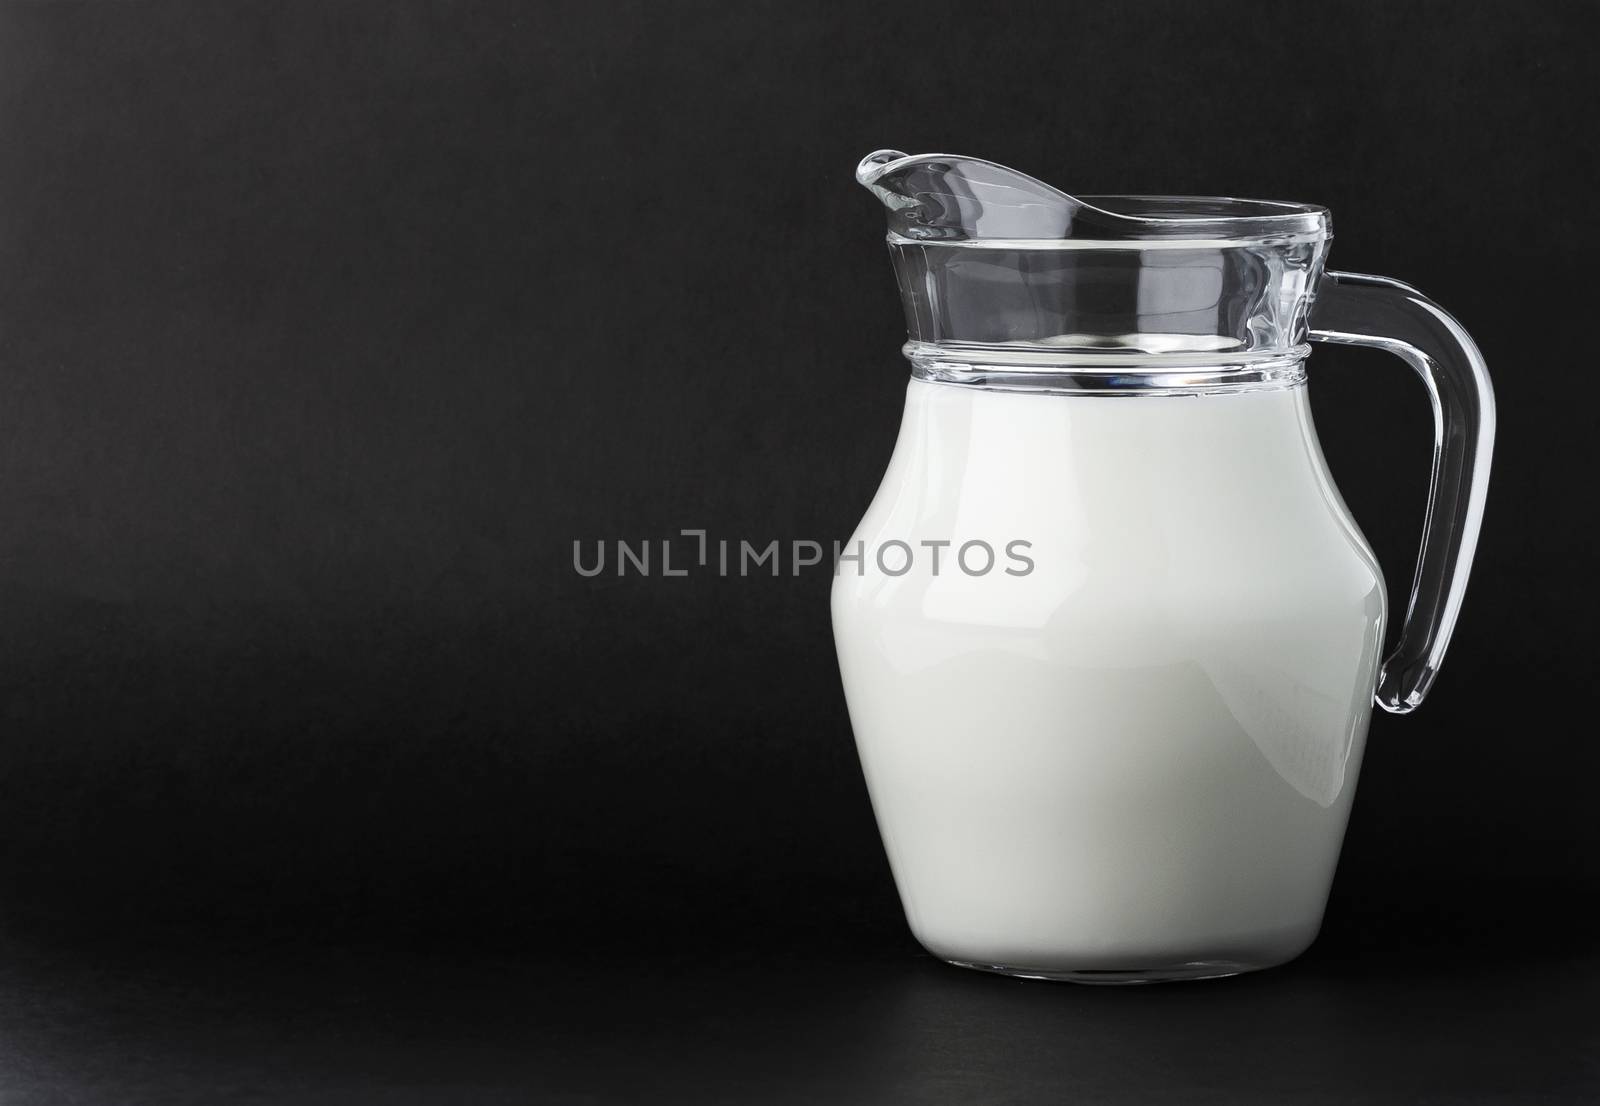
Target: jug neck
(1009,282)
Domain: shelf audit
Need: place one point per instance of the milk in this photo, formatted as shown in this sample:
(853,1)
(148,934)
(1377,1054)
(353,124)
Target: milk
(1137,759)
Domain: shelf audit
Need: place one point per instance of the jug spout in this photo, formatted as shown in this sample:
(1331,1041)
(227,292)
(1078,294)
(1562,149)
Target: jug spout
(942,197)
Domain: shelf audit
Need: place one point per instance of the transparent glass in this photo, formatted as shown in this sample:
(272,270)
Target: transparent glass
(1130,756)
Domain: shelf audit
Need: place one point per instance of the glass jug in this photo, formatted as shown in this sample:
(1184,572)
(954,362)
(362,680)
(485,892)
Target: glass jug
(1108,635)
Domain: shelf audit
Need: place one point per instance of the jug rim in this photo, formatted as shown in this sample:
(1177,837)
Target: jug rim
(1098,221)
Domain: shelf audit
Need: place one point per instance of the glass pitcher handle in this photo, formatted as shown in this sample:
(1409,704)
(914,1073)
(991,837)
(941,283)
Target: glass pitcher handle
(1357,310)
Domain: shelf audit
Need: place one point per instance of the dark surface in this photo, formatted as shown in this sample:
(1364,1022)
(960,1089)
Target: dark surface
(827,1021)
(325,329)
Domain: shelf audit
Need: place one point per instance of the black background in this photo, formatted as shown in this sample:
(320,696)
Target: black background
(325,331)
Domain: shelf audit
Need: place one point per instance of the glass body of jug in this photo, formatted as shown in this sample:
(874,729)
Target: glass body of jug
(1108,635)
